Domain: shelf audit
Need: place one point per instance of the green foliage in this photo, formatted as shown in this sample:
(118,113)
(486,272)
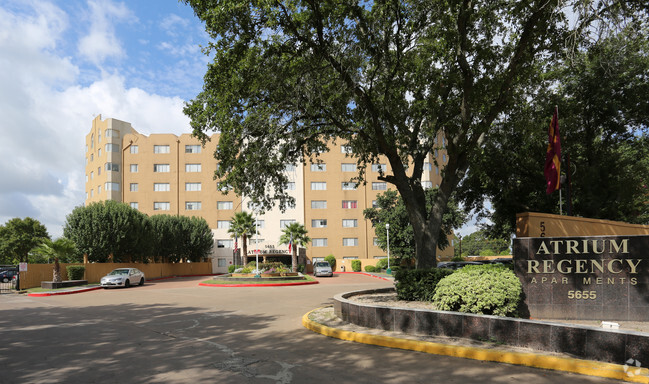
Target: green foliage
(297,234)
(488,289)
(109,227)
(458,258)
(356,265)
(370,268)
(18,237)
(75,272)
(418,284)
(479,243)
(392,210)
(232,267)
(63,249)
(331,259)
(246,270)
(383,263)
(301,268)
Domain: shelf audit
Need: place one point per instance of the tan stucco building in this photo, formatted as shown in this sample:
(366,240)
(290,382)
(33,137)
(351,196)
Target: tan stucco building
(169,174)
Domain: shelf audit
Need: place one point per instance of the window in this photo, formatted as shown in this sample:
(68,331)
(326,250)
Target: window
(443,158)
(160,167)
(133,168)
(112,148)
(256,241)
(318,204)
(318,185)
(223,224)
(290,186)
(350,241)
(428,166)
(379,186)
(192,149)
(192,205)
(437,170)
(133,187)
(319,167)
(427,184)
(112,167)
(224,243)
(348,186)
(161,187)
(112,186)
(378,168)
(285,223)
(112,133)
(319,223)
(349,204)
(86,178)
(346,149)
(98,189)
(260,223)
(134,205)
(192,167)
(375,241)
(92,192)
(224,205)
(319,242)
(161,206)
(192,187)
(92,175)
(98,171)
(375,204)
(160,149)
(350,223)
(92,157)
(348,167)
(289,168)
(92,141)
(99,153)
(134,149)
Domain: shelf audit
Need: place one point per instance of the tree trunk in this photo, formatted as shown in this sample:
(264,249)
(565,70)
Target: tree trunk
(294,259)
(56,272)
(244,247)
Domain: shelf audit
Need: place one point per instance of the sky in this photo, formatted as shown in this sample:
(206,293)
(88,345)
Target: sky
(63,62)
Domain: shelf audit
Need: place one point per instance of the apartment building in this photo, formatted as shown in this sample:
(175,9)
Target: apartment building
(165,173)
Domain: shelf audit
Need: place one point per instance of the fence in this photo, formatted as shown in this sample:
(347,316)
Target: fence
(95,271)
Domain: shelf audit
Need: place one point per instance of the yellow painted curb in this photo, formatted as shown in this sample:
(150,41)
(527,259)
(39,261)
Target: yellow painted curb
(584,367)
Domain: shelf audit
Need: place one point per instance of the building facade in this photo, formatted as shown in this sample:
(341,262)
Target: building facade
(169,174)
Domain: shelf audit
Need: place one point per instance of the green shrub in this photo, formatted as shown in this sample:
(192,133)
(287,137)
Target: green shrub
(300,268)
(75,272)
(246,270)
(488,289)
(370,268)
(332,261)
(418,284)
(383,263)
(356,265)
(458,258)
(233,267)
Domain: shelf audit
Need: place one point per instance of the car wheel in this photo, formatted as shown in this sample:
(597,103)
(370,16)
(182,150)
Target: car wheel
(141,281)
(127,284)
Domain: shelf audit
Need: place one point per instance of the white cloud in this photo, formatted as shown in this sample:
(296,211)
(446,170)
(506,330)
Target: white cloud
(46,116)
(101,42)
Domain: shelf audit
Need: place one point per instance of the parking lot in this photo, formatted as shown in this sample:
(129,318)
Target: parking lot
(173,331)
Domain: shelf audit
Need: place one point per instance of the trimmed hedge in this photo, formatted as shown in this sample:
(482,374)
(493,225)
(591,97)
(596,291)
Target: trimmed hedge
(488,289)
(331,259)
(383,263)
(356,265)
(370,268)
(418,284)
(75,272)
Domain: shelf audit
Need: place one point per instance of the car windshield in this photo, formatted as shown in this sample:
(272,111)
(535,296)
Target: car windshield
(321,264)
(119,272)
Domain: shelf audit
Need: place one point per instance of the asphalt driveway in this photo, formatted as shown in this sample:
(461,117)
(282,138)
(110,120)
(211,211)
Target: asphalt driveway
(173,331)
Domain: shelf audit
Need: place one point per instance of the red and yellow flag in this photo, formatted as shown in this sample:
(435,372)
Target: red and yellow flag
(553,155)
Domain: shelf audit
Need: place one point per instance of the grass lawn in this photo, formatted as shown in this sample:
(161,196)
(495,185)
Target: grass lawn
(258,281)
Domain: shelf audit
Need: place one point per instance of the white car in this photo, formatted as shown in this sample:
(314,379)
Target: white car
(123,277)
(322,268)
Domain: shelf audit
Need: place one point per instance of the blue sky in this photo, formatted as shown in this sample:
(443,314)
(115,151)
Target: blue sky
(63,62)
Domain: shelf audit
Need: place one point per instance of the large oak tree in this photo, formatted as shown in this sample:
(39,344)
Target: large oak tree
(384,77)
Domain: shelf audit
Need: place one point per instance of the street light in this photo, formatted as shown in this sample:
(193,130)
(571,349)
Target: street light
(387,230)
(257,274)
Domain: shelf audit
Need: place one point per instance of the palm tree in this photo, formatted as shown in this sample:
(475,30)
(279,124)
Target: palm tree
(295,234)
(61,248)
(242,225)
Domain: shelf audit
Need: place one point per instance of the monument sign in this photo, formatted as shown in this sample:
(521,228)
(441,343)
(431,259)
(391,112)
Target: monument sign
(588,278)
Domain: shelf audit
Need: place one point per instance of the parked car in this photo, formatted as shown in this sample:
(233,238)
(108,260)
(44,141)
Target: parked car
(322,268)
(7,275)
(457,264)
(123,277)
(502,260)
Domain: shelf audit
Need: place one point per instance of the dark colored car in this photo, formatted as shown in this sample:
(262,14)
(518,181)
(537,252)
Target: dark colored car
(457,264)
(7,275)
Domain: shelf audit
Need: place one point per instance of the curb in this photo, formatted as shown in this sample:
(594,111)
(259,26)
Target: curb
(365,274)
(583,367)
(259,285)
(43,294)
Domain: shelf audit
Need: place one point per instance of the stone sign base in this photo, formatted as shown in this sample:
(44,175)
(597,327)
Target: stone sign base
(62,284)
